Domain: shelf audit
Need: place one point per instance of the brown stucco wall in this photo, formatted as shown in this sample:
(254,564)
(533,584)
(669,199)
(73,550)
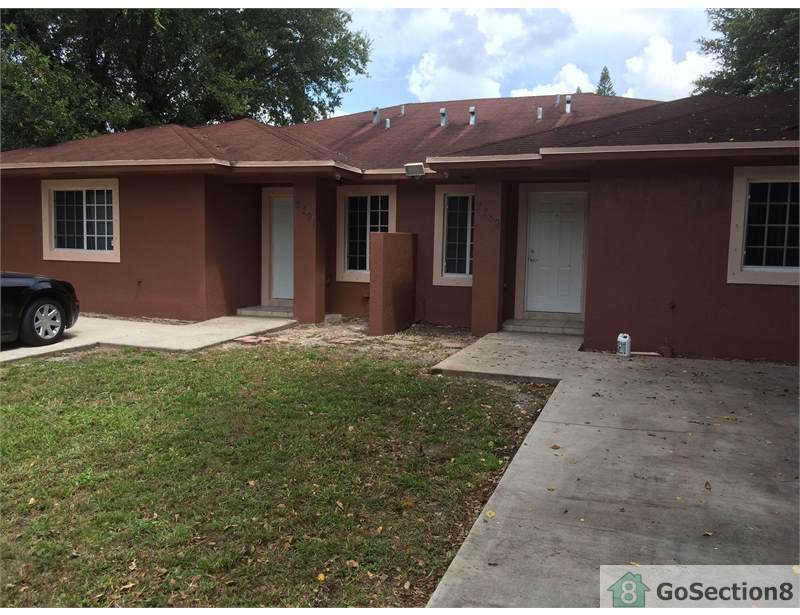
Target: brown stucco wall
(415,214)
(161,268)
(657,267)
(391,282)
(451,305)
(233,246)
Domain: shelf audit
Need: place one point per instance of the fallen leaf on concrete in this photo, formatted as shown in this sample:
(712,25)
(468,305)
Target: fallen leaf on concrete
(708,533)
(555,447)
(708,486)
(490,514)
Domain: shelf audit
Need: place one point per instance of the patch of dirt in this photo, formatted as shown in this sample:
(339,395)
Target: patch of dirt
(421,343)
(160,321)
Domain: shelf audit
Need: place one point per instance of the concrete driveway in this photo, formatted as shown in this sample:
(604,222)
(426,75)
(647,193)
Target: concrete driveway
(89,332)
(651,460)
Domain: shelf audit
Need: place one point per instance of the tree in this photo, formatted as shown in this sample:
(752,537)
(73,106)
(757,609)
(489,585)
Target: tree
(757,51)
(71,73)
(605,87)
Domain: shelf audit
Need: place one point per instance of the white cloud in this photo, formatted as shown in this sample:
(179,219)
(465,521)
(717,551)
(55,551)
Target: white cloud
(428,54)
(654,73)
(399,35)
(567,80)
(500,30)
(430,79)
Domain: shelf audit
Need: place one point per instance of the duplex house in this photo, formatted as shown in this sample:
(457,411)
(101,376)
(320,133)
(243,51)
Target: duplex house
(676,222)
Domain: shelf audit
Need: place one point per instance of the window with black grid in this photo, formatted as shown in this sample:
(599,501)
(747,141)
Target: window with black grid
(365,215)
(83,219)
(459,218)
(771,232)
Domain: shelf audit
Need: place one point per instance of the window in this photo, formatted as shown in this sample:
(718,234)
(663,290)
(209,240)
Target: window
(362,210)
(772,225)
(459,217)
(80,220)
(454,223)
(365,215)
(764,226)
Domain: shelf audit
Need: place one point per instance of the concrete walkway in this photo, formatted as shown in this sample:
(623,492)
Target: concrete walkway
(651,460)
(89,332)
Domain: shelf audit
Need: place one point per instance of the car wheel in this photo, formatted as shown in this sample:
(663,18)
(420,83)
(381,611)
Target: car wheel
(43,322)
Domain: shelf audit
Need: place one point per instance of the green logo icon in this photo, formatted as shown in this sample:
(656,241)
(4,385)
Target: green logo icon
(628,591)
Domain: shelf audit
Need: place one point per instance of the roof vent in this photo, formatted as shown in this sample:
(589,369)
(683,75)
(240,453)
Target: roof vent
(539,114)
(558,100)
(376,116)
(402,110)
(568,106)
(473,116)
(443,117)
(387,123)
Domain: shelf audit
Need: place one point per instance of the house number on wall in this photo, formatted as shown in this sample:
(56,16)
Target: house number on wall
(487,215)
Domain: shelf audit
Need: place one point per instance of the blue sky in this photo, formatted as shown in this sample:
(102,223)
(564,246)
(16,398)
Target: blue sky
(440,54)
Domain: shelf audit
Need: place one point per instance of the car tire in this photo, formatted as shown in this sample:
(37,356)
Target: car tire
(43,323)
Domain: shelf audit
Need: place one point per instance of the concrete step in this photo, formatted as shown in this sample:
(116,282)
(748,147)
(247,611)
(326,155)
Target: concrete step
(545,325)
(266,311)
(550,316)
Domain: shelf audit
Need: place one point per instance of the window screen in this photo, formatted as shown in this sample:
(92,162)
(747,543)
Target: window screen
(83,219)
(771,232)
(365,215)
(459,217)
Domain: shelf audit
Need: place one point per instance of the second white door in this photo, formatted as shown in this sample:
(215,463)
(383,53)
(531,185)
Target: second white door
(281,255)
(554,276)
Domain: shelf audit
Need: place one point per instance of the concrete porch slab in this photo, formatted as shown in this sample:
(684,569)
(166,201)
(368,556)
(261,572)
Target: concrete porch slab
(89,331)
(656,461)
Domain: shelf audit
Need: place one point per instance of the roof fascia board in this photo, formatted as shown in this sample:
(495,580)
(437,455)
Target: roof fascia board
(482,159)
(669,147)
(156,162)
(247,164)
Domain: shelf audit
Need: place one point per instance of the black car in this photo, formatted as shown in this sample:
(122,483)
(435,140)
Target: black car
(36,310)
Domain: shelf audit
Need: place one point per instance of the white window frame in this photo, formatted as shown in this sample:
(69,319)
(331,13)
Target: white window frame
(49,250)
(737,272)
(440,278)
(343,274)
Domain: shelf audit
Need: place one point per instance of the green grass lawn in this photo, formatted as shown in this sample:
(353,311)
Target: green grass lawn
(253,476)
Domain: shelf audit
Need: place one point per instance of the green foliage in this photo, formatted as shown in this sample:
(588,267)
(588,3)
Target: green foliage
(757,51)
(605,87)
(72,73)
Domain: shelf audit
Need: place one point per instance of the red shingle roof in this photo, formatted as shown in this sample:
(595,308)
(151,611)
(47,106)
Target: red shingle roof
(158,143)
(504,126)
(417,134)
(697,119)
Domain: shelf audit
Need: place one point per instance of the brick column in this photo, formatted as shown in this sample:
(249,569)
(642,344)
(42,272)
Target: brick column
(309,254)
(487,258)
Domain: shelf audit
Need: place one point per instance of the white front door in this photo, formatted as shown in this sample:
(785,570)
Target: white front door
(282,252)
(277,246)
(554,270)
